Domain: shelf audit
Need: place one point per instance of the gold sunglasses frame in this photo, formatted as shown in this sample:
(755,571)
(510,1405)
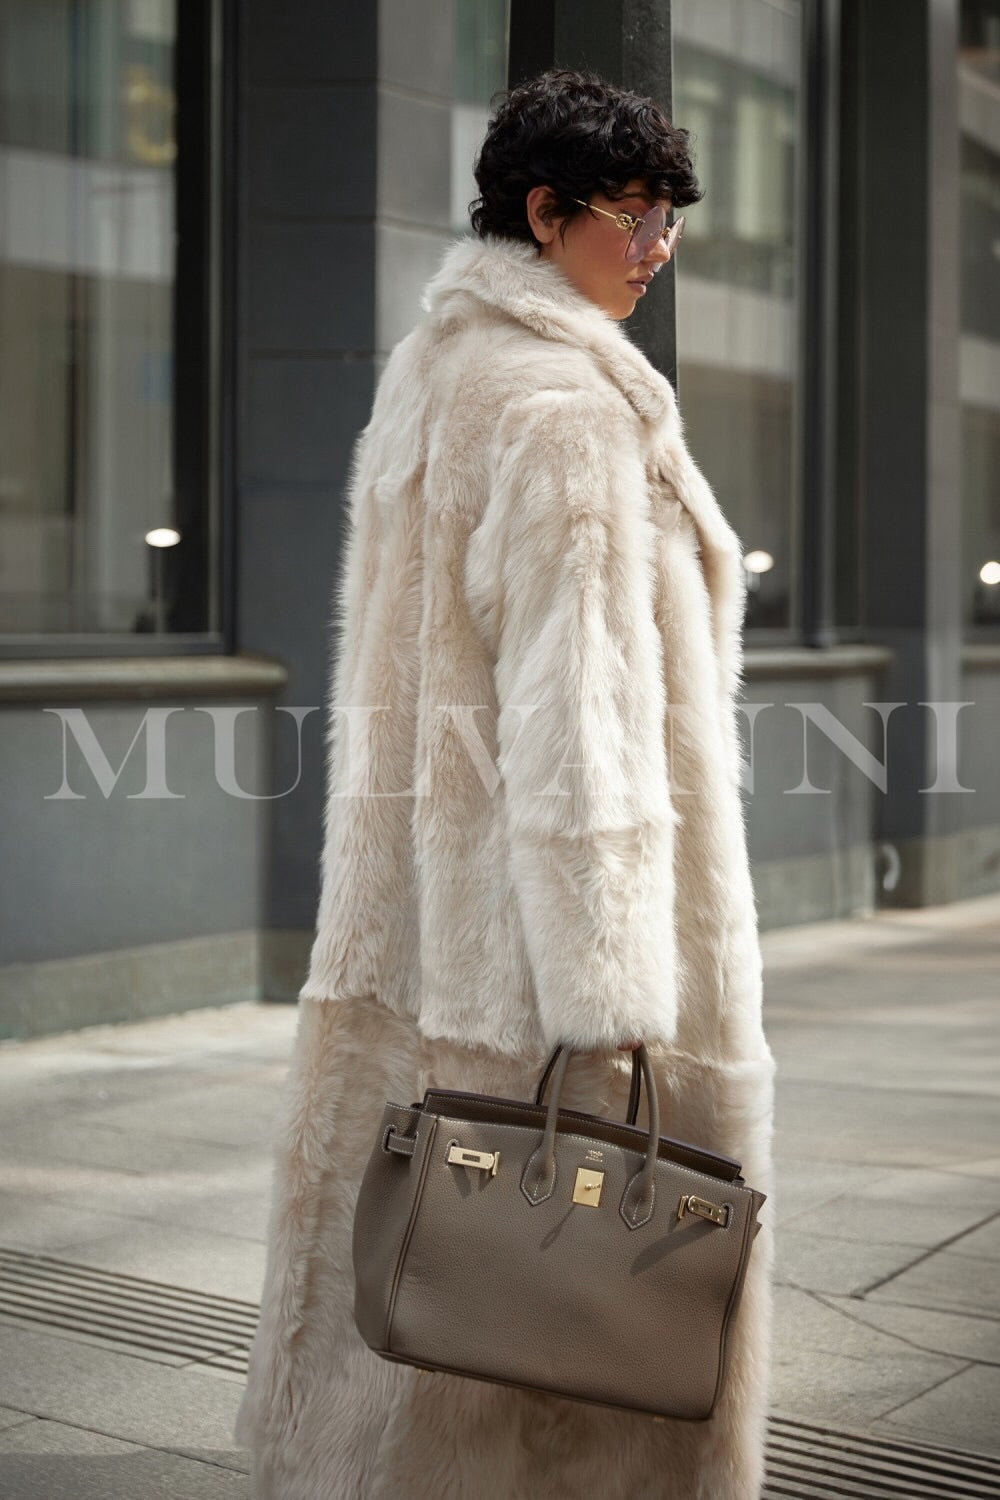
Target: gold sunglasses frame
(672,233)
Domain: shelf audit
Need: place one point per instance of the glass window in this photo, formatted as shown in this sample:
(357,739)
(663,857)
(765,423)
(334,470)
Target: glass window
(106,351)
(737,89)
(481,33)
(979,346)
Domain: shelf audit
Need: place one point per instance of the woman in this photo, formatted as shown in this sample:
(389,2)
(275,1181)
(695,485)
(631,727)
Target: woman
(534,831)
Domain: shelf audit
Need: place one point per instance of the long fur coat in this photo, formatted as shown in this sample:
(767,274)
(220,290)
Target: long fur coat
(534,834)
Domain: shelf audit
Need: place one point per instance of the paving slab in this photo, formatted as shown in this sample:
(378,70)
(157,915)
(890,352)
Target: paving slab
(957,1064)
(886,1032)
(92,1144)
(32,1223)
(11,1418)
(830,1366)
(848,1121)
(105,1081)
(227,1197)
(910,1207)
(983,1166)
(246,1029)
(135,1400)
(804,1185)
(44,1460)
(959,1336)
(220,1264)
(983,1242)
(146,1150)
(961,1411)
(827,1264)
(240,1112)
(947,1282)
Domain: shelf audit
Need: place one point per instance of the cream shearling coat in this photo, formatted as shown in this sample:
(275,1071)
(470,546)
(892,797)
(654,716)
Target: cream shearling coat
(533,834)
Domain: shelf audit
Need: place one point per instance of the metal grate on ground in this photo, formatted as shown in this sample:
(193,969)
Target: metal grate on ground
(810,1462)
(176,1326)
(171,1325)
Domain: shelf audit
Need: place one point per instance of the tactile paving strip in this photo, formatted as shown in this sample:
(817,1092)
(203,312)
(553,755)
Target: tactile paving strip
(172,1325)
(810,1462)
(177,1326)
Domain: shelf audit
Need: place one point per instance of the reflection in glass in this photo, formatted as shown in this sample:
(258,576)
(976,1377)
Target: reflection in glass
(481,33)
(88,160)
(737,89)
(979,347)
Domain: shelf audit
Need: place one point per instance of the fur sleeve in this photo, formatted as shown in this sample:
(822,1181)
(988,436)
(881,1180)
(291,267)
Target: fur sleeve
(560,570)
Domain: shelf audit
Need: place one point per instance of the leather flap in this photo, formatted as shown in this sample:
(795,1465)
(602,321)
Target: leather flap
(482,1107)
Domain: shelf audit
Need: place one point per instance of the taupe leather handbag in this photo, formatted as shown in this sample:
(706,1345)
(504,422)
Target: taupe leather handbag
(551,1249)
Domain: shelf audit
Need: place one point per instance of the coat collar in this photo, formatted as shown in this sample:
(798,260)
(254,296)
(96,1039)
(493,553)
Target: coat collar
(509,276)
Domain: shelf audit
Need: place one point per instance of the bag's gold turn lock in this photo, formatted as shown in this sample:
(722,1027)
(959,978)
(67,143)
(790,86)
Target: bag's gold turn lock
(716,1213)
(464,1156)
(587,1188)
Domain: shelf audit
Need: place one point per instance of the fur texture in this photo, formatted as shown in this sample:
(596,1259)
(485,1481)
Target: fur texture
(533,834)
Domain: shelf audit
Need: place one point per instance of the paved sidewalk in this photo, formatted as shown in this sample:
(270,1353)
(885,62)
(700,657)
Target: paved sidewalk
(142,1151)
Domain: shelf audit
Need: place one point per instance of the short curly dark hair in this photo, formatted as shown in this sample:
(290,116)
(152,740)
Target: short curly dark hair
(578,134)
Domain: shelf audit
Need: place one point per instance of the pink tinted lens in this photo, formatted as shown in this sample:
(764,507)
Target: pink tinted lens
(647,234)
(652,229)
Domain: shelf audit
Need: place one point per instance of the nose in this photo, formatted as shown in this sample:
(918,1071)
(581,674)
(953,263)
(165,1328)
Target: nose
(658,254)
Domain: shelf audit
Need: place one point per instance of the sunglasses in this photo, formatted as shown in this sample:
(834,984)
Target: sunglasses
(644,233)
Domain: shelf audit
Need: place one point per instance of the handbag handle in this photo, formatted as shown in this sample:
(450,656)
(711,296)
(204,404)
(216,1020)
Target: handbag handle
(539,1177)
(634,1091)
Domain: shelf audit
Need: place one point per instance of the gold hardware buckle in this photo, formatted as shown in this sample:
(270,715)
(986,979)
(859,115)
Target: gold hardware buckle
(464,1156)
(716,1213)
(587,1188)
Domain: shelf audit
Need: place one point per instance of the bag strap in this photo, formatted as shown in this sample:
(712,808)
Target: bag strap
(538,1178)
(634,1091)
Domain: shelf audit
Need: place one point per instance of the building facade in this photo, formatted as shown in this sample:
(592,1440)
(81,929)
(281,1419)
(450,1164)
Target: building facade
(217,218)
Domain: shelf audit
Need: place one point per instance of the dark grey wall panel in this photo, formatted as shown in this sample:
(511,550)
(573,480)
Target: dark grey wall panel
(292,611)
(903,217)
(309,41)
(301,418)
(312,149)
(97,873)
(310,287)
(305,359)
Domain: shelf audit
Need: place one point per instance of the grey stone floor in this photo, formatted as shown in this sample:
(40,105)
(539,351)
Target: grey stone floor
(143,1150)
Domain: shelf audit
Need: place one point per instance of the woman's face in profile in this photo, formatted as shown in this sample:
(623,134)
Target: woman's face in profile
(592,255)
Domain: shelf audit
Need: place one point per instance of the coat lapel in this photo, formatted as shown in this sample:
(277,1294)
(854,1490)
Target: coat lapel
(509,275)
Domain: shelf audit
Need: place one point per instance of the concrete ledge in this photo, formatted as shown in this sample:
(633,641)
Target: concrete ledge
(93,679)
(128,984)
(879,878)
(284,962)
(816,887)
(980,656)
(840,661)
(804,661)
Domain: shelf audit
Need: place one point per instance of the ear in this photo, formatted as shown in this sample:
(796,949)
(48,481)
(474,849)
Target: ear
(540,207)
